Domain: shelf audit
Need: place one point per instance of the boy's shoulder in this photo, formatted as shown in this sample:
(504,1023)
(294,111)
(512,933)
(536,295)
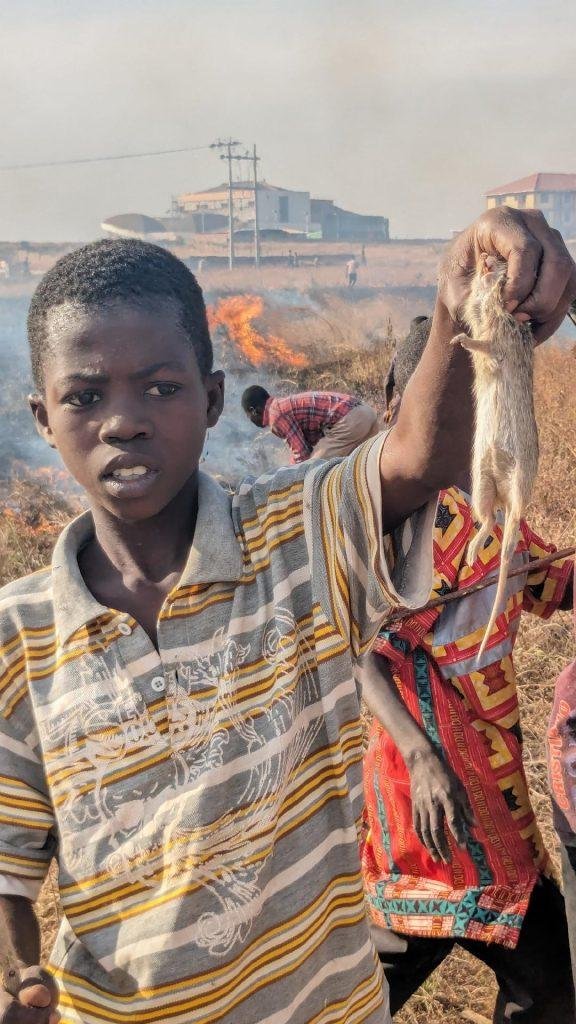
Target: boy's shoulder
(271,486)
(26,601)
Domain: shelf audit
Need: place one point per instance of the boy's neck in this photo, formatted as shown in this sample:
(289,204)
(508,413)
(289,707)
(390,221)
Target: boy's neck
(151,549)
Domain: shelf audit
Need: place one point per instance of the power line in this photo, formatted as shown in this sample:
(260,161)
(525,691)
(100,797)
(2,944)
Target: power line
(101,159)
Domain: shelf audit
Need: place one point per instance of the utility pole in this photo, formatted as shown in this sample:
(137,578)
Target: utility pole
(255,160)
(228,145)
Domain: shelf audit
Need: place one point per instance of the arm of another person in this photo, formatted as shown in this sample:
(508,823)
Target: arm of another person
(287,426)
(430,444)
(437,794)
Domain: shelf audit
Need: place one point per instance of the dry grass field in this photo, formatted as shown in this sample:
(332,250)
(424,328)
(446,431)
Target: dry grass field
(347,344)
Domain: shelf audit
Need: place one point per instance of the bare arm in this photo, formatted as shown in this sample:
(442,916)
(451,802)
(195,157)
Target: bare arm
(437,794)
(429,447)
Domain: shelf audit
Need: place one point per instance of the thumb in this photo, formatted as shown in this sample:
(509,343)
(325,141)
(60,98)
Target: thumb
(39,990)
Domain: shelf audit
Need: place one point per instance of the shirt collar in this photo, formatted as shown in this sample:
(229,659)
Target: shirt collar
(266,413)
(216,556)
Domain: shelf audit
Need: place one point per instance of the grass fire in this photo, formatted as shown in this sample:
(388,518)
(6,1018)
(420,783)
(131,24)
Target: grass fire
(347,348)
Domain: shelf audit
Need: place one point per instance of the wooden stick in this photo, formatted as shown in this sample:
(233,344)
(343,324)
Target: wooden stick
(456,595)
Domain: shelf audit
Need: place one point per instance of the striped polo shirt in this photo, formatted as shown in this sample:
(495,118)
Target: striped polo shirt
(204,799)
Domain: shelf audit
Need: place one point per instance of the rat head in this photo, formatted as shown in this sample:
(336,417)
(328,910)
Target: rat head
(122,365)
(491,270)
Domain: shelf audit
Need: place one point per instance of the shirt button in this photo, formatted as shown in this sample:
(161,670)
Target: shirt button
(158,684)
(124,628)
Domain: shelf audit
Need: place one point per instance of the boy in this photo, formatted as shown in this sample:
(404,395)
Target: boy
(314,424)
(180,723)
(448,748)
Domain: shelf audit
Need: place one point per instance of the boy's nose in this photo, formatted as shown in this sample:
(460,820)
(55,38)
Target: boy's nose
(123,427)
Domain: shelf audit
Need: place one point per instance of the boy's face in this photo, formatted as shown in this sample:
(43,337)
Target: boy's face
(125,404)
(256,416)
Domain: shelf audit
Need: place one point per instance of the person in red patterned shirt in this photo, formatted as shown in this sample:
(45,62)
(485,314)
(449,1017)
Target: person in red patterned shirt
(452,853)
(314,424)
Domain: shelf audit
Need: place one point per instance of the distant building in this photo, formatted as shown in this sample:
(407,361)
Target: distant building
(280,209)
(338,225)
(134,225)
(554,194)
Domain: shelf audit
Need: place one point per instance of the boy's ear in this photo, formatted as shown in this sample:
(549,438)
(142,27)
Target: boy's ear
(38,407)
(215,394)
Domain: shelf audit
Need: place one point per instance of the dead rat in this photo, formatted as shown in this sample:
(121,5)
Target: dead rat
(505,455)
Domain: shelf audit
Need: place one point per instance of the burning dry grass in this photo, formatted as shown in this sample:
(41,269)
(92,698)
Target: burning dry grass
(31,516)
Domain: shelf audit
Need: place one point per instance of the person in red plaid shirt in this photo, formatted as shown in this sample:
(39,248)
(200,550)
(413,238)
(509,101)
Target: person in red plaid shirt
(314,424)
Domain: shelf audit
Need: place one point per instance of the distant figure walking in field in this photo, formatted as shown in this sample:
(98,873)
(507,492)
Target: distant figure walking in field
(363,259)
(314,424)
(352,272)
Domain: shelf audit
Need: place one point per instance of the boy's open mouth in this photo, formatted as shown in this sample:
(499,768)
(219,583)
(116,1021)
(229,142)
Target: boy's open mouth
(128,480)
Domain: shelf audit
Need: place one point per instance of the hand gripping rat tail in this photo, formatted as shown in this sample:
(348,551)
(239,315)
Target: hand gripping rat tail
(509,541)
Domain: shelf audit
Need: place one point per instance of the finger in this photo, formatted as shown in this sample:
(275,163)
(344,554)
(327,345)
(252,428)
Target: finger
(508,236)
(38,988)
(439,834)
(417,823)
(37,996)
(542,331)
(554,273)
(456,823)
(429,843)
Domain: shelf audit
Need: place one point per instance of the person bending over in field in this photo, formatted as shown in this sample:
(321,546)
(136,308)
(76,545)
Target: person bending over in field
(452,853)
(314,424)
(180,724)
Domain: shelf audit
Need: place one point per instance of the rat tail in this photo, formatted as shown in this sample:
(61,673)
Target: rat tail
(509,541)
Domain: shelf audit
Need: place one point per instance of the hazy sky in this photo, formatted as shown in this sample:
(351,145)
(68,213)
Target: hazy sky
(407,108)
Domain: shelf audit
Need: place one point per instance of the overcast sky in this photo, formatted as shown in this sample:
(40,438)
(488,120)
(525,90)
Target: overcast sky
(409,109)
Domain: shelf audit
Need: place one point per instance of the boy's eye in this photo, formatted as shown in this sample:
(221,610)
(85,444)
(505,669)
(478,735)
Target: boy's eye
(162,389)
(83,398)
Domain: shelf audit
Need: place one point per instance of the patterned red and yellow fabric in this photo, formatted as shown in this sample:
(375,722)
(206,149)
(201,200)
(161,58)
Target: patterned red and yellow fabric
(469,710)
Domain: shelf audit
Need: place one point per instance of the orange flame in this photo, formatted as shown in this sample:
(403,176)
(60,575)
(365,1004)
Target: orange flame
(237,313)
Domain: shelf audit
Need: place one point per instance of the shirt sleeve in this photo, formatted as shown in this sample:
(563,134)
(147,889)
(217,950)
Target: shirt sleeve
(27,832)
(360,574)
(545,588)
(286,426)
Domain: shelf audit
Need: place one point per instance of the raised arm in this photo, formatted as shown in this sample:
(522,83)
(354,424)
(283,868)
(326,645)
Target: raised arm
(429,447)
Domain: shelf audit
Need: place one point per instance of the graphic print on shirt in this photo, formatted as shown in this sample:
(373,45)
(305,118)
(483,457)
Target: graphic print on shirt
(218,742)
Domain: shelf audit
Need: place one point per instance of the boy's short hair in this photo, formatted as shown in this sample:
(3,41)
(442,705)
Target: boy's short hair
(410,350)
(254,397)
(119,270)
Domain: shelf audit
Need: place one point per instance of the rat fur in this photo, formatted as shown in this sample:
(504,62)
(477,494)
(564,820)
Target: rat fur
(505,453)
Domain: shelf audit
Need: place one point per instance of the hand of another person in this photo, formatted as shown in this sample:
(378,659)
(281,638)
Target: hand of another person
(541,277)
(36,1002)
(438,799)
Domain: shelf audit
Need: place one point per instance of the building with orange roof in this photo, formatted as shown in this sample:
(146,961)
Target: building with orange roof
(554,194)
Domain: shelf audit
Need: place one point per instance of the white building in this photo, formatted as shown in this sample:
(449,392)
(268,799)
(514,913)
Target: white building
(278,208)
